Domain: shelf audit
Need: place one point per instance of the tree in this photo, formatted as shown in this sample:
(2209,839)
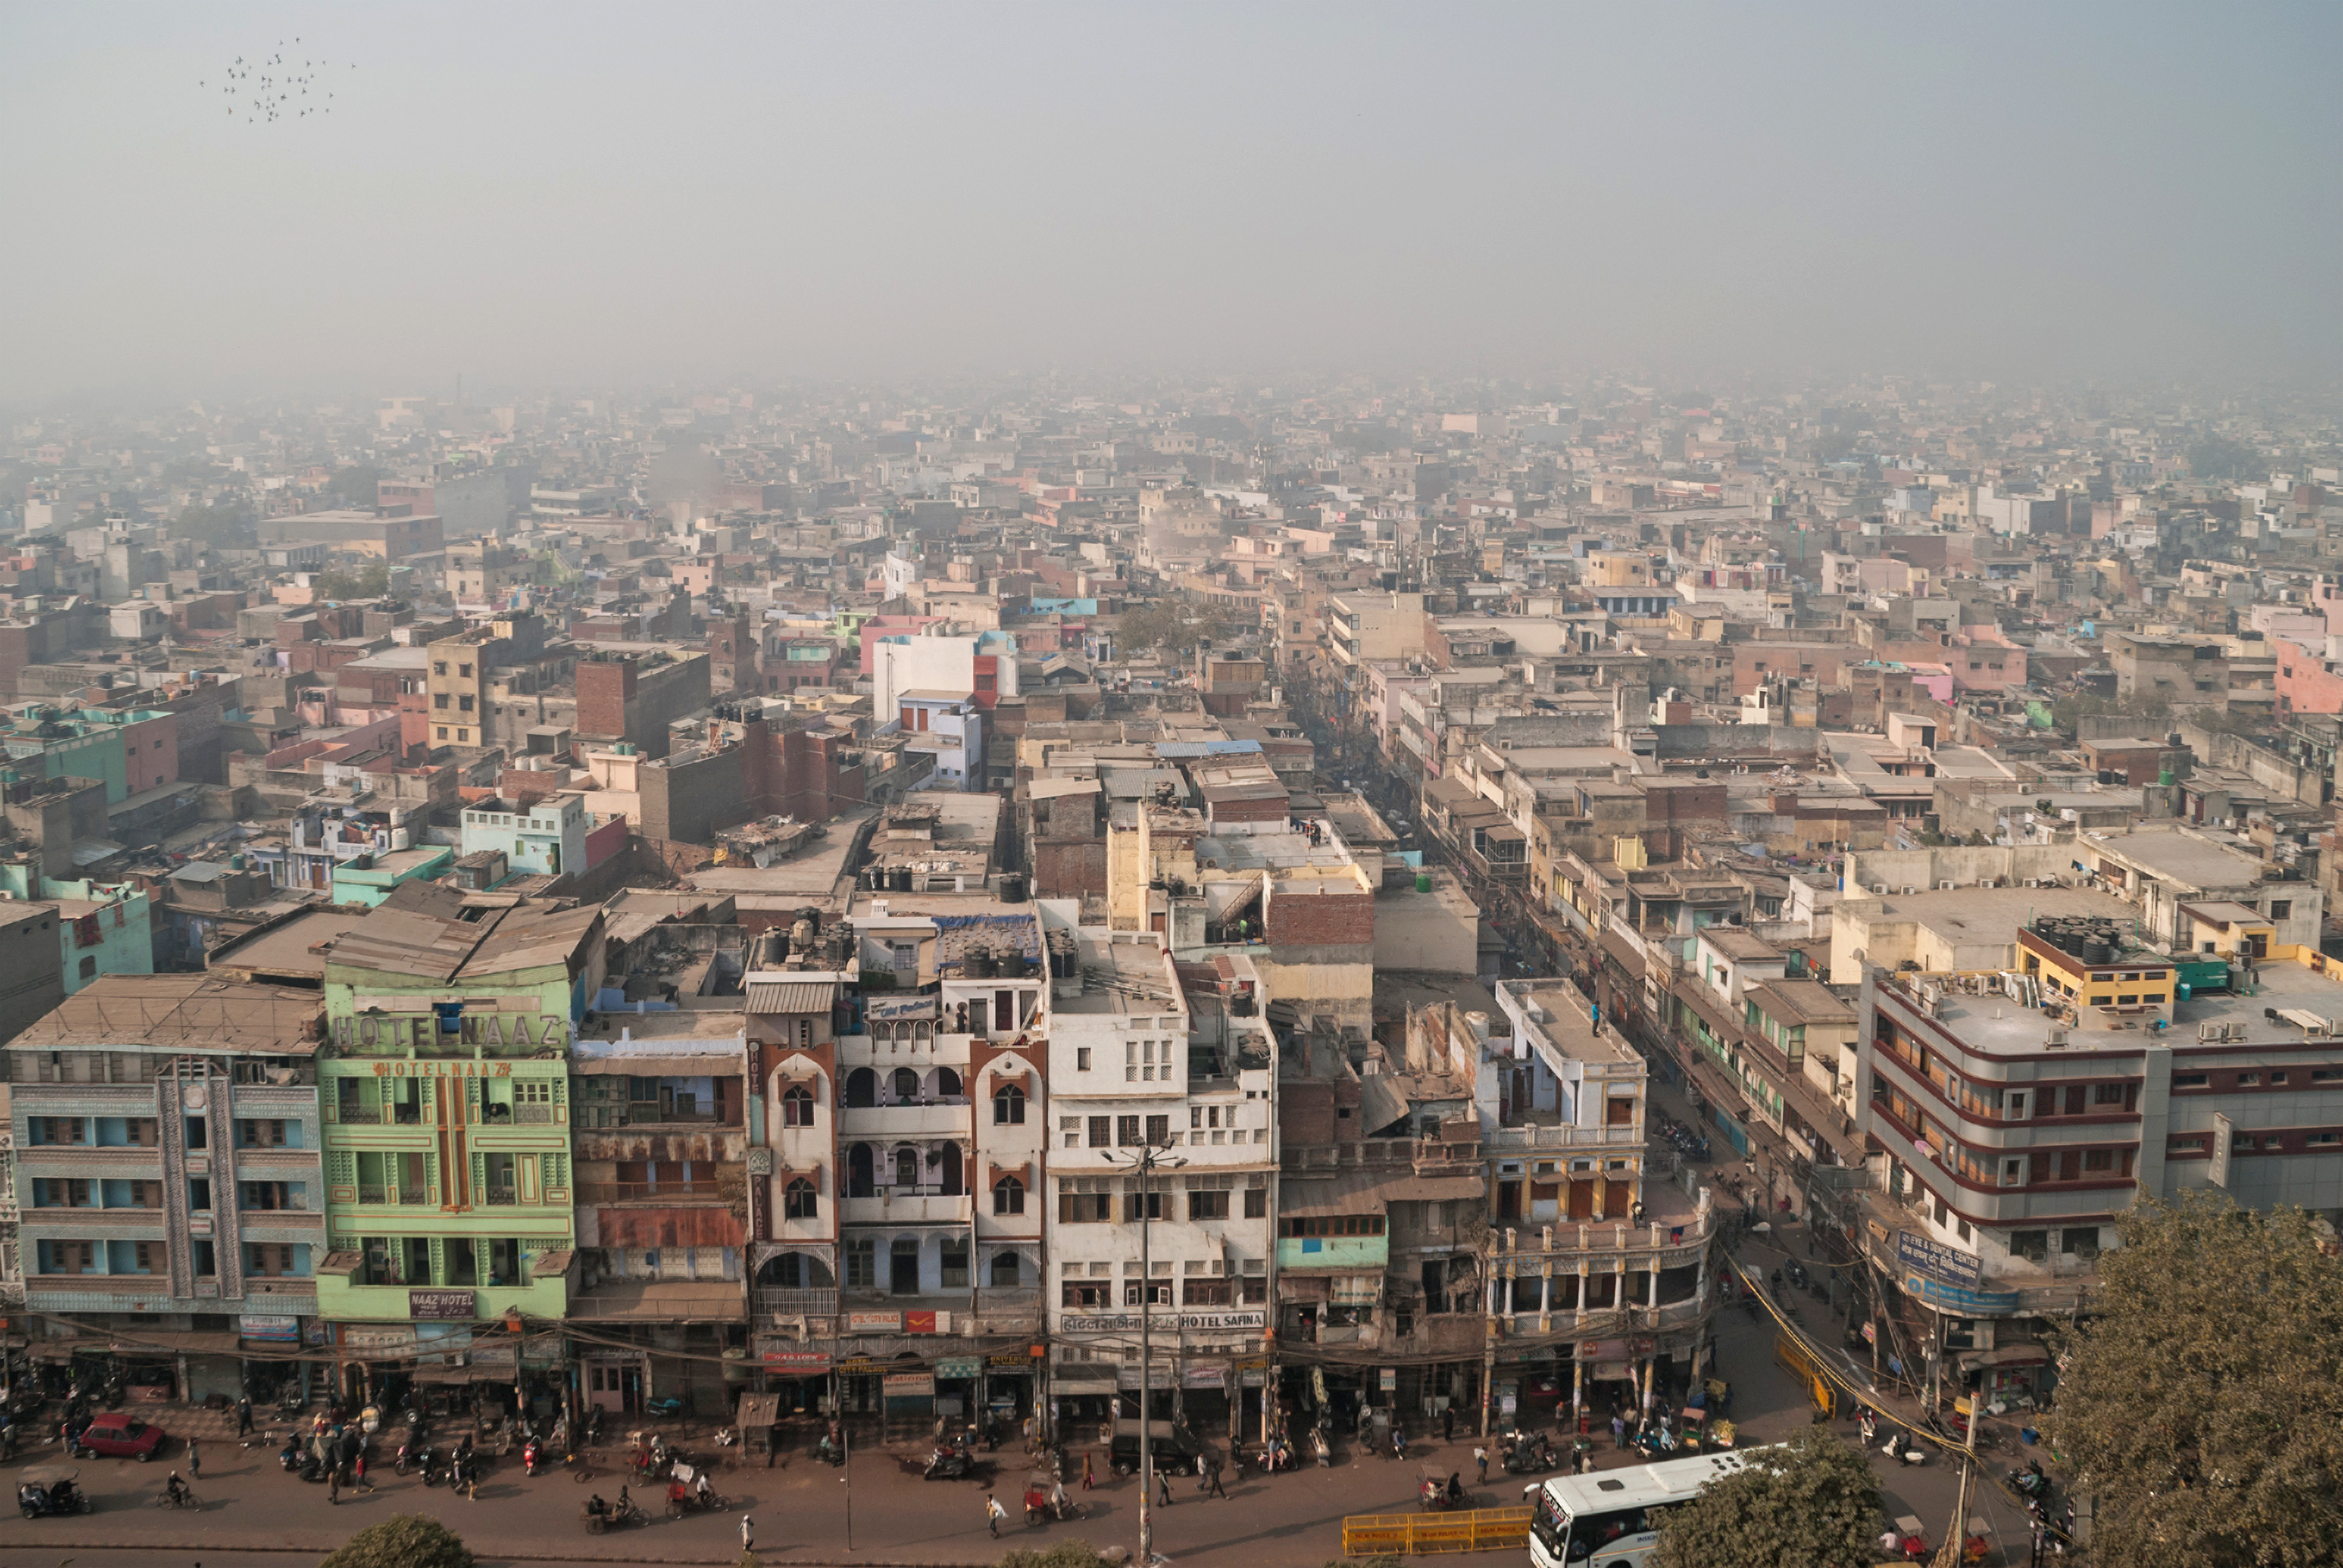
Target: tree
(2199,1406)
(402,1541)
(356,486)
(371,580)
(215,526)
(1810,1504)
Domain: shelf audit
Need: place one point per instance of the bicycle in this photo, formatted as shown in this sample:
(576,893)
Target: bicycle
(167,1499)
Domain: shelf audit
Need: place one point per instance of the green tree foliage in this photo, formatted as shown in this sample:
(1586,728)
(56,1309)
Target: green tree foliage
(2201,1404)
(2218,457)
(356,486)
(1810,1504)
(371,580)
(215,527)
(1174,624)
(402,1541)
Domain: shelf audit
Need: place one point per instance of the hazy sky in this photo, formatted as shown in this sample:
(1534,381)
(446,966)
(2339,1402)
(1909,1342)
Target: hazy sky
(533,194)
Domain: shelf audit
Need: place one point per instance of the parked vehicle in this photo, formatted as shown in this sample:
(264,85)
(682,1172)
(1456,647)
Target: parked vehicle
(1176,1450)
(117,1434)
(612,1515)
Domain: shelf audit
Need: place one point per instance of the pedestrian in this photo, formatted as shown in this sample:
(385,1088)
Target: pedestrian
(772,1441)
(244,1415)
(748,1534)
(334,1484)
(195,1459)
(1481,1459)
(1089,1480)
(1618,1430)
(993,1514)
(358,1482)
(1218,1490)
(1448,1424)
(1164,1485)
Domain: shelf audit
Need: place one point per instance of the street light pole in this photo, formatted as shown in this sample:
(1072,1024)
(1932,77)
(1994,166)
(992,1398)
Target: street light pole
(1143,1163)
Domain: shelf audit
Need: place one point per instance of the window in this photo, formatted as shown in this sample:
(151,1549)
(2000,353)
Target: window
(1008,1106)
(1256,1204)
(443,732)
(2195,1079)
(438,700)
(800,1201)
(1081,1058)
(2099,1160)
(1084,1208)
(861,1264)
(1204,1293)
(1158,1293)
(1331,1225)
(2107,1094)
(1086,1293)
(797,1106)
(89,968)
(59,1130)
(1126,1131)
(67,1258)
(1008,1196)
(952,1260)
(463,670)
(2280,908)
(2248,1080)
(439,666)
(1102,1131)
(2032,1245)
(1137,1206)
(1203,1205)
(1159,1130)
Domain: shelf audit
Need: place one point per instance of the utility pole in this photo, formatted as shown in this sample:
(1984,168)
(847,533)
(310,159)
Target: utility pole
(1144,1162)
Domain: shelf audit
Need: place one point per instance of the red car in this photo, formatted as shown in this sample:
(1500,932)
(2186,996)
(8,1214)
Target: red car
(119,1435)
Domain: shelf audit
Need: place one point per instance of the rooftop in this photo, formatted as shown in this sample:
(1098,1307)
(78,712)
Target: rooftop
(1996,1024)
(1121,976)
(181,1012)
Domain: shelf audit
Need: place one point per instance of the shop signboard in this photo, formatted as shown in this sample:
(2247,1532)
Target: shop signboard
(1204,1377)
(395,1337)
(783,1356)
(950,1367)
(1157,1377)
(1390,1379)
(269,1327)
(1189,1322)
(1937,1260)
(1970,1303)
(440,1304)
(1011,1359)
(909,1385)
(874,1323)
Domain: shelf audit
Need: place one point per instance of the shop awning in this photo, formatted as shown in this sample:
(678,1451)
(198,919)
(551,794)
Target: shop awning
(2007,1356)
(757,1410)
(1361,1192)
(790,996)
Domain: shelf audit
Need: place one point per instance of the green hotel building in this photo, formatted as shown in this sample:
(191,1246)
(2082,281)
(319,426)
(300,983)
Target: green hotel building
(444,1091)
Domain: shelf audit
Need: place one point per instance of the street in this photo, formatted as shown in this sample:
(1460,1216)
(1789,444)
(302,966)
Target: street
(255,1515)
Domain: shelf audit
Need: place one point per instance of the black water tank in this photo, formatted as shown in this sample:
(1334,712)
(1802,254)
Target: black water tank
(2096,951)
(1012,887)
(979,964)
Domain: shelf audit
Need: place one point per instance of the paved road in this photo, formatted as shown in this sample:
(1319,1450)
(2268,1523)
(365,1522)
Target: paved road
(255,1516)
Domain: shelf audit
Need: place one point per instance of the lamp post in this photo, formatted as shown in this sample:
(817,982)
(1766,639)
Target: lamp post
(1143,1162)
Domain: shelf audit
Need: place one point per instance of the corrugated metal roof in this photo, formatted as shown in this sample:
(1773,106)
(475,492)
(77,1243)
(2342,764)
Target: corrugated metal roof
(791,996)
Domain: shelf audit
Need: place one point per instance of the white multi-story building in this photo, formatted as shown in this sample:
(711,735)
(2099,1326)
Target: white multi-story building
(1137,1065)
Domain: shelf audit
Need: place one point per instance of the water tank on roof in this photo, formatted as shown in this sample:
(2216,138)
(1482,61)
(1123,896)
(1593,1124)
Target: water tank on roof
(1012,887)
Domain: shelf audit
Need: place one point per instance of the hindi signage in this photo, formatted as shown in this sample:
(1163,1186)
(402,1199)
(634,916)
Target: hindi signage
(1191,1323)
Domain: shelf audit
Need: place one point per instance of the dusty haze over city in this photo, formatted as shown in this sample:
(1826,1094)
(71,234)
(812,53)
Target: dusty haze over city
(534,196)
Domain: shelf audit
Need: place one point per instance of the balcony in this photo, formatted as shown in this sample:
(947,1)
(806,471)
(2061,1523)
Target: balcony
(798,1303)
(895,1207)
(943,1119)
(695,1190)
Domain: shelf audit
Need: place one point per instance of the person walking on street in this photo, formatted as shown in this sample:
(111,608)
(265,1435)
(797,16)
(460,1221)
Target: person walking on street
(195,1459)
(1618,1430)
(1164,1485)
(1218,1490)
(358,1482)
(748,1534)
(1448,1424)
(772,1442)
(1481,1459)
(1089,1480)
(993,1514)
(244,1416)
(334,1484)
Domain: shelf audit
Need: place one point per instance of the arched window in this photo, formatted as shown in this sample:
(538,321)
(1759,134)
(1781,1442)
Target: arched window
(861,1175)
(1008,1197)
(89,968)
(800,1201)
(797,1106)
(947,1084)
(861,1088)
(906,1086)
(1008,1106)
(1005,1269)
(951,1178)
(906,1166)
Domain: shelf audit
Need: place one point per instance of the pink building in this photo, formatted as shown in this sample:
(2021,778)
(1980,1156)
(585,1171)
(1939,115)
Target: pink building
(2307,680)
(1983,659)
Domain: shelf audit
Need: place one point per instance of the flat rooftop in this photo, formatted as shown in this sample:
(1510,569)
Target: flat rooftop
(1121,976)
(1978,914)
(1998,1024)
(1567,1025)
(2194,859)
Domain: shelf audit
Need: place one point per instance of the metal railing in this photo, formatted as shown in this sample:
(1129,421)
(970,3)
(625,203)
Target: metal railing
(799,1303)
(1473,1530)
(633,1192)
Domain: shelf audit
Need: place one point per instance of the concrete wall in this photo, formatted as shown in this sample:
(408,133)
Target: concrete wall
(1962,867)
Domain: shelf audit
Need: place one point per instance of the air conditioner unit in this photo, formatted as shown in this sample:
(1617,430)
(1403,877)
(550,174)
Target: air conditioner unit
(2033,881)
(1909,892)
(1879,887)
(2056,1037)
(1943,887)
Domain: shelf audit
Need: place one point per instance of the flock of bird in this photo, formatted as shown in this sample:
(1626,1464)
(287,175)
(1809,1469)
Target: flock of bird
(266,90)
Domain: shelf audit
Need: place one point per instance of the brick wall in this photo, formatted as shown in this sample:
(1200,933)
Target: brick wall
(1321,920)
(605,686)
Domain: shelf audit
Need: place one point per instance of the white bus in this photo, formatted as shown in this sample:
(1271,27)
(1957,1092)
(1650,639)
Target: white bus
(1604,1520)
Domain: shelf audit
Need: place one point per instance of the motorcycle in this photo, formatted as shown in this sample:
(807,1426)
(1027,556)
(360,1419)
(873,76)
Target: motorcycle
(949,1464)
(1901,1447)
(1321,1448)
(529,1456)
(2030,1482)
(420,1457)
(1438,1497)
(1530,1459)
